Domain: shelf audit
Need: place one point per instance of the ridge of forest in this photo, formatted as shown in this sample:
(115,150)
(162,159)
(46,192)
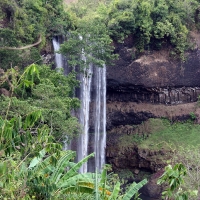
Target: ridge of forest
(153,24)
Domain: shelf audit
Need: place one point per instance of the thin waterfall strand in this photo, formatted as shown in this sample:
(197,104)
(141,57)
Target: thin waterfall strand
(58,57)
(86,78)
(100,118)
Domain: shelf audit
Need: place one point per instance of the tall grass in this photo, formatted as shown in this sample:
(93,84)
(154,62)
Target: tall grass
(165,134)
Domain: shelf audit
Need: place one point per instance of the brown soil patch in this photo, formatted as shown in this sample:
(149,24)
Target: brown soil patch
(156,56)
(170,112)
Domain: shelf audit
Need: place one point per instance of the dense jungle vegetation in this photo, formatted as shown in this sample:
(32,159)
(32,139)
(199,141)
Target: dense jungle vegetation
(36,102)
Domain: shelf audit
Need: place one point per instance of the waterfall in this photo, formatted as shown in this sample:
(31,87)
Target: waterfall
(58,56)
(100,117)
(85,91)
(98,121)
(92,78)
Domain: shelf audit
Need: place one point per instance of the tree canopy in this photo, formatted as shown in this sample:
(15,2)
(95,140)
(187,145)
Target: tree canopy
(152,23)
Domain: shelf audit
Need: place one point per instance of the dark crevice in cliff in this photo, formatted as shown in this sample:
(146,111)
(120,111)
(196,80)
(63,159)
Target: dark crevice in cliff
(155,95)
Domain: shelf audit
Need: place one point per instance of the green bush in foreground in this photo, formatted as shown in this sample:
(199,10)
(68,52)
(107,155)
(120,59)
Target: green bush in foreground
(174,178)
(34,166)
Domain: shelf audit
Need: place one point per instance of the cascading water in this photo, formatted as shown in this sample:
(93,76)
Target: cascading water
(98,75)
(58,57)
(86,79)
(98,138)
(100,117)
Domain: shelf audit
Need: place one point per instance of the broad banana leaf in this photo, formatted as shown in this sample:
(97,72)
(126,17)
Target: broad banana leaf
(75,168)
(115,192)
(74,180)
(37,159)
(61,165)
(133,189)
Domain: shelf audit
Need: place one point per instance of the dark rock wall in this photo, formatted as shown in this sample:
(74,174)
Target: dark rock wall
(152,69)
(149,85)
(155,95)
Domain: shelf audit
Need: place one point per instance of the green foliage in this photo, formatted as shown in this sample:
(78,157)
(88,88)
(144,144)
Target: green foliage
(193,116)
(40,88)
(14,135)
(49,175)
(125,174)
(27,136)
(23,21)
(121,18)
(115,194)
(20,140)
(165,134)
(12,58)
(53,176)
(133,189)
(28,19)
(190,158)
(90,43)
(152,23)
(174,177)
(32,165)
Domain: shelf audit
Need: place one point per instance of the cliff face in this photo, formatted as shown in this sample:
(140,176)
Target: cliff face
(154,77)
(151,86)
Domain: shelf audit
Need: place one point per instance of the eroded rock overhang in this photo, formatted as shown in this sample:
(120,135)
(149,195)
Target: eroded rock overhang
(154,77)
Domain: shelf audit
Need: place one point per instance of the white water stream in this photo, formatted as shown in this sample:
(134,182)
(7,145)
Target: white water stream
(100,117)
(99,108)
(58,56)
(86,79)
